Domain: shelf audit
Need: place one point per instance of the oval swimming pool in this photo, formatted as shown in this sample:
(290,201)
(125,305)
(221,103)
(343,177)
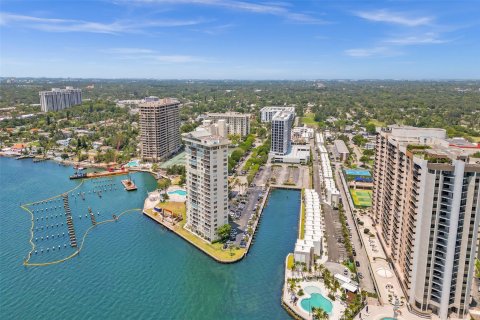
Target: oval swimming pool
(318,301)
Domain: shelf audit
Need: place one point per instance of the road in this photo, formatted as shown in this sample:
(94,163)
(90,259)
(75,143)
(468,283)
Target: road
(366,282)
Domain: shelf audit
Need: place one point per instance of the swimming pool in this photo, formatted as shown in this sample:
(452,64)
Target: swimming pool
(388,318)
(178,192)
(133,163)
(318,301)
(358,172)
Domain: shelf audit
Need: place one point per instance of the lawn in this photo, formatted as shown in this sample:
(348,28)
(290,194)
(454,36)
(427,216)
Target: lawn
(290,261)
(214,249)
(302,221)
(309,120)
(377,123)
(361,198)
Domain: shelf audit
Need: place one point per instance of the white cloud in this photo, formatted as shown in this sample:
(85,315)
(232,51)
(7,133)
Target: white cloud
(149,55)
(369,52)
(394,18)
(277,9)
(71,25)
(127,51)
(428,38)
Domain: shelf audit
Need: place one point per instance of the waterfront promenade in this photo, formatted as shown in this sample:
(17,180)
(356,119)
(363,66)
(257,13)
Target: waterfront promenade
(213,250)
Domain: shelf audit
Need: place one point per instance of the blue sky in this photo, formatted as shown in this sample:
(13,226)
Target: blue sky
(236,39)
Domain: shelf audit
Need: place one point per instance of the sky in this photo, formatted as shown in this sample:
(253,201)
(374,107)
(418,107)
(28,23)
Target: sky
(240,39)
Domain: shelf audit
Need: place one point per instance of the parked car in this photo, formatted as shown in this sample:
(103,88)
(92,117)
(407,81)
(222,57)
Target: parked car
(357,264)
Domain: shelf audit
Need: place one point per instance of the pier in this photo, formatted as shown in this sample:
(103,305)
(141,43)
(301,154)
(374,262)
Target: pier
(129,185)
(92,217)
(71,229)
(99,174)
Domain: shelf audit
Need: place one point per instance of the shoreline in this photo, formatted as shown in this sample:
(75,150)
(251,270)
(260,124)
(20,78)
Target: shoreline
(72,163)
(217,259)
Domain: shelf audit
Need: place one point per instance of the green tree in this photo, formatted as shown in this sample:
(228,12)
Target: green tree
(163,184)
(319,314)
(223,232)
(370,127)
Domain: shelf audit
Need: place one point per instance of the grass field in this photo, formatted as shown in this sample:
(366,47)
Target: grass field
(214,249)
(361,198)
(377,123)
(309,120)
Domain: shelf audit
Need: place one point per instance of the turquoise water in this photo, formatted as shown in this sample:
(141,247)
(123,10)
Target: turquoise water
(389,318)
(318,301)
(133,163)
(358,172)
(179,192)
(134,268)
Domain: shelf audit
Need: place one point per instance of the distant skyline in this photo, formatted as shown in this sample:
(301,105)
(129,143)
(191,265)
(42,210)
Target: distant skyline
(245,40)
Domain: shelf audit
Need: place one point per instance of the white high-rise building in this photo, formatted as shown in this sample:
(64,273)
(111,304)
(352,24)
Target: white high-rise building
(281,132)
(237,123)
(207,183)
(426,205)
(159,129)
(59,99)
(267,113)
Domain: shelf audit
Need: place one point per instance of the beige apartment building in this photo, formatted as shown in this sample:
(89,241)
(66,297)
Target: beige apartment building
(207,182)
(159,129)
(426,206)
(237,123)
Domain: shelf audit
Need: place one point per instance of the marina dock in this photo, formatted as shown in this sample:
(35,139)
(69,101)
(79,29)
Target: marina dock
(99,174)
(129,185)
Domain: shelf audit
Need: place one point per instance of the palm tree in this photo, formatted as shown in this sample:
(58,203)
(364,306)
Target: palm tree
(319,314)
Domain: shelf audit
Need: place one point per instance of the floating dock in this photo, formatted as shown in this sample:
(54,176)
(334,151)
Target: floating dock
(129,185)
(68,212)
(99,174)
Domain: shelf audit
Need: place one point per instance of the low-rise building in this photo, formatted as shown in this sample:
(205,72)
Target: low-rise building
(238,123)
(297,153)
(310,245)
(340,150)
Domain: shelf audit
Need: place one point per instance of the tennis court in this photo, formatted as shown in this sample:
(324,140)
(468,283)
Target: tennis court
(358,172)
(361,198)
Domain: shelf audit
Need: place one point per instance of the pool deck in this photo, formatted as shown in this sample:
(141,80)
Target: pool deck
(299,312)
(176,197)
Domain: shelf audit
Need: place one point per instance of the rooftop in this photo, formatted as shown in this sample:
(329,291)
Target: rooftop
(341,146)
(159,103)
(204,136)
(282,115)
(228,114)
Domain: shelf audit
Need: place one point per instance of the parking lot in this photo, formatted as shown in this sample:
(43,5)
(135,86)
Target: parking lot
(241,211)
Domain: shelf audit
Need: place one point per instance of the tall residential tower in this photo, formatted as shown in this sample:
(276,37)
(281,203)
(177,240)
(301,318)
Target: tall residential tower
(281,132)
(159,129)
(207,184)
(426,206)
(59,99)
